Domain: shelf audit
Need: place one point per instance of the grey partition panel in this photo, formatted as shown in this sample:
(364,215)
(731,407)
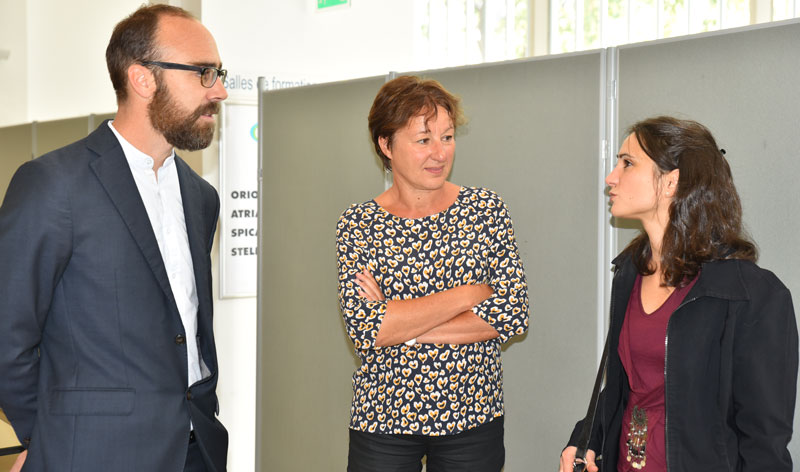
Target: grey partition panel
(16,150)
(51,135)
(533,136)
(317,160)
(743,86)
(99,118)
(193,158)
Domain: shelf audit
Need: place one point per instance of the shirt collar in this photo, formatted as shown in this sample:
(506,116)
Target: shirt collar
(136,158)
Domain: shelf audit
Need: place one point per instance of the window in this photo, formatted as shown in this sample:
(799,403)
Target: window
(457,32)
(587,24)
(785,9)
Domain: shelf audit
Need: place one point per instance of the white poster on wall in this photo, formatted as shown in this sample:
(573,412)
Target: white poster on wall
(239,200)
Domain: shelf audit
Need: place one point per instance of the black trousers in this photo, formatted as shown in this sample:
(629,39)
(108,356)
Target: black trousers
(480,449)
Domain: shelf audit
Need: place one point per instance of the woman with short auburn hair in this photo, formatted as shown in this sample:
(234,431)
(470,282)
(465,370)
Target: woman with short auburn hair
(430,285)
(702,347)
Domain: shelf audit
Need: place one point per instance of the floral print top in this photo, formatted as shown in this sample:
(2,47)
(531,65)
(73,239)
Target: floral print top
(430,389)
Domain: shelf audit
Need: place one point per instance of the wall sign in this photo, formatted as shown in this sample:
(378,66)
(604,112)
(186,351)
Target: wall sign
(331,3)
(238,168)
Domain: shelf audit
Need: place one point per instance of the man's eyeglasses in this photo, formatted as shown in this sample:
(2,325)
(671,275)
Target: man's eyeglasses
(208,75)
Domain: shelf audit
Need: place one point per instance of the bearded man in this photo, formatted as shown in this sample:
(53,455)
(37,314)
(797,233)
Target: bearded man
(108,361)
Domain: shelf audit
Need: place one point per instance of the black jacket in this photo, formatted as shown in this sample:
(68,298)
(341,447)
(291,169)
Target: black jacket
(730,372)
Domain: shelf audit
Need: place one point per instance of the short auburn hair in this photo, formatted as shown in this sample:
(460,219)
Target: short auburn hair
(133,40)
(403,98)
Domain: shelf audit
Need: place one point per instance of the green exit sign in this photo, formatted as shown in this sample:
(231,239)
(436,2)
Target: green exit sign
(330,3)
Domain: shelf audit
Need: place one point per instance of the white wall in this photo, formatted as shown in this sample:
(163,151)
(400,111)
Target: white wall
(57,64)
(67,73)
(288,41)
(57,70)
(14,70)
(290,37)
(235,334)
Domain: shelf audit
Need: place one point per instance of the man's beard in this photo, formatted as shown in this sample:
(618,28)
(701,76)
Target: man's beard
(179,128)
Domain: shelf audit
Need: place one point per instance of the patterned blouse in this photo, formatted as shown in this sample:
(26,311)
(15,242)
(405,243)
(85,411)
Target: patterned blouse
(430,389)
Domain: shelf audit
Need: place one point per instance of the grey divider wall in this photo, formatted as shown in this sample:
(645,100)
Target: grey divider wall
(16,150)
(21,142)
(533,136)
(743,86)
(51,135)
(316,161)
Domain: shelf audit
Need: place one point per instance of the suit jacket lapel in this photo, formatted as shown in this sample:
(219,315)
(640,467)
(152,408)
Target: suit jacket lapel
(196,218)
(115,175)
(194,215)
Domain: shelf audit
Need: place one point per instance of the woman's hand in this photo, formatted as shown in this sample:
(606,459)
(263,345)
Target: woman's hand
(17,467)
(467,329)
(368,286)
(568,457)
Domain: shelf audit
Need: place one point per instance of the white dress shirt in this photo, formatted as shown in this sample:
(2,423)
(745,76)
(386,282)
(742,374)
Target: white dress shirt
(161,194)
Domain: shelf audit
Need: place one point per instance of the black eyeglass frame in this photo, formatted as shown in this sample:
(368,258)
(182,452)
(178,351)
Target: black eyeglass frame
(218,73)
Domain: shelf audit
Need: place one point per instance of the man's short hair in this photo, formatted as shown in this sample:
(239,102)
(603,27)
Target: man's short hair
(133,40)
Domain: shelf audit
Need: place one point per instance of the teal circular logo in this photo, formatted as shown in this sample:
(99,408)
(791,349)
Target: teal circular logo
(254,132)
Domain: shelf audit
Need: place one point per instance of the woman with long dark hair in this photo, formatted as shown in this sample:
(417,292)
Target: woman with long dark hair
(702,364)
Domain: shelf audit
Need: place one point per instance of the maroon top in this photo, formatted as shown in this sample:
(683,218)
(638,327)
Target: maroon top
(643,339)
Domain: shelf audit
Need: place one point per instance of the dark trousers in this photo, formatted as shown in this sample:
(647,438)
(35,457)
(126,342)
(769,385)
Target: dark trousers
(479,449)
(194,458)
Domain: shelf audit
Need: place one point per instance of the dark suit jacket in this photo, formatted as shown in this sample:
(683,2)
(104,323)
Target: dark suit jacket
(93,371)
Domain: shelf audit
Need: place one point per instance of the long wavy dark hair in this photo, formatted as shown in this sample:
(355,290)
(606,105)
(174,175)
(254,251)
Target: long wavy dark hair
(705,216)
